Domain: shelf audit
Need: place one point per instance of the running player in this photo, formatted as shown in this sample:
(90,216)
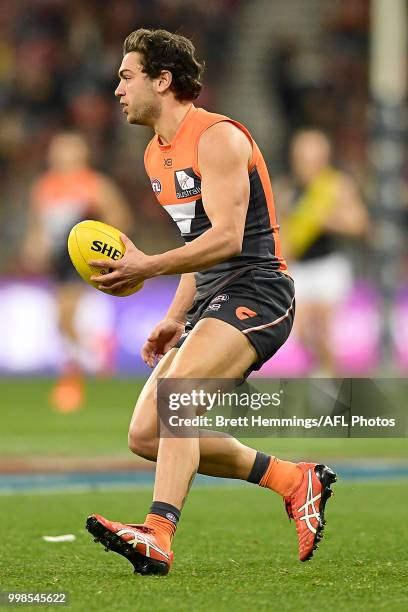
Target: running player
(234,306)
(68,192)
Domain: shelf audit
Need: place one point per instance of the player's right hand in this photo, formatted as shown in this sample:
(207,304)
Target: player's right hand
(162,338)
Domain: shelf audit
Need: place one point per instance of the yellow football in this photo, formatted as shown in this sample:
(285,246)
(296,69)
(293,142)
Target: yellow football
(95,240)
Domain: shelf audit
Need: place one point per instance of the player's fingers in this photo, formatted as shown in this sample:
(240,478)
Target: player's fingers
(168,346)
(148,352)
(126,241)
(121,285)
(103,263)
(114,287)
(151,360)
(148,358)
(156,333)
(145,350)
(105,278)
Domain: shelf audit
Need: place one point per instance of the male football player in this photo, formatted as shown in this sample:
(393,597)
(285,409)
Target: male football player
(234,306)
(69,191)
(321,208)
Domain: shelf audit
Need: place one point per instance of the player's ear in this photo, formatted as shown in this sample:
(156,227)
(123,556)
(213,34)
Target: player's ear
(163,81)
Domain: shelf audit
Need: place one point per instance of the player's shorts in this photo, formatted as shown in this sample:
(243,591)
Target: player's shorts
(324,280)
(259,302)
(61,268)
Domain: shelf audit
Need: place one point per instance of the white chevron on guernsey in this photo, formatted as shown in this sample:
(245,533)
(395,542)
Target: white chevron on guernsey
(182,214)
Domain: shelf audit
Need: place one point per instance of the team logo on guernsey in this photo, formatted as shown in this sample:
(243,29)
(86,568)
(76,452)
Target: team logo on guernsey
(156,185)
(187,183)
(243,312)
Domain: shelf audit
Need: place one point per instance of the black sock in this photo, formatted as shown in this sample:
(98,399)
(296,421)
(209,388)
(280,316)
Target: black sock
(259,468)
(167,511)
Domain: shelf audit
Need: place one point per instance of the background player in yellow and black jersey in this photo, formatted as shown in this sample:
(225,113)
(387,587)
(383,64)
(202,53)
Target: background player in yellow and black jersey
(321,209)
(234,306)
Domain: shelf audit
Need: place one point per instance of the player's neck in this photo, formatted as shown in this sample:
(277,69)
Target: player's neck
(170,119)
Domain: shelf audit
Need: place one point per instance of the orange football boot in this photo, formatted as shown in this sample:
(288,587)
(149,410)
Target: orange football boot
(306,506)
(137,543)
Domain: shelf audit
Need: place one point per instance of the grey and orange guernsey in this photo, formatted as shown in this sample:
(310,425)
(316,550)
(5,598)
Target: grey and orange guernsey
(251,291)
(176,181)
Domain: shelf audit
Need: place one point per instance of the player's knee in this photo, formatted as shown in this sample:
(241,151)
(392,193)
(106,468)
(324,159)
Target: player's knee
(142,443)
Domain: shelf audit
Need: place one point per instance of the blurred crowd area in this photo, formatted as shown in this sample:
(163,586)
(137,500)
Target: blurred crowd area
(324,82)
(58,71)
(58,66)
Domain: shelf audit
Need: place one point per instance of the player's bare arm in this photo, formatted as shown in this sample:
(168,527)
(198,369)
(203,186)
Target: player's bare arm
(112,206)
(224,153)
(167,332)
(183,298)
(350,216)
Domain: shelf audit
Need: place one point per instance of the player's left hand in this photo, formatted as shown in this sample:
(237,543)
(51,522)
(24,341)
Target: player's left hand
(126,272)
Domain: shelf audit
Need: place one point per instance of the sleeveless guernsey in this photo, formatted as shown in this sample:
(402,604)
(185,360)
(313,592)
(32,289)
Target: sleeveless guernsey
(176,181)
(62,199)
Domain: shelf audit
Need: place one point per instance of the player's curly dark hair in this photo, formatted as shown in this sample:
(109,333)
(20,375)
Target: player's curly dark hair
(163,50)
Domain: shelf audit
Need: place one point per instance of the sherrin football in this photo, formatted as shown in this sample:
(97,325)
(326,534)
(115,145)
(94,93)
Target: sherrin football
(95,240)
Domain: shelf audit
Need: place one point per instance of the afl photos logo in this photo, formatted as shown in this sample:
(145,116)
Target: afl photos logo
(156,185)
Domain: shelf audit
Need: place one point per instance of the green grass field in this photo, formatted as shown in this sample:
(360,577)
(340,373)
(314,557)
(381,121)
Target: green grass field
(235,548)
(30,427)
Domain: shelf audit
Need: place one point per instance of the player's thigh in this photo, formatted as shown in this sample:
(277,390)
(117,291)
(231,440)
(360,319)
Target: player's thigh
(144,419)
(213,349)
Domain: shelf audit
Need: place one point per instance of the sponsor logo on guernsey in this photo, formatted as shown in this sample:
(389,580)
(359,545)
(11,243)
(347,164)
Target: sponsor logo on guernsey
(168,162)
(156,185)
(186,183)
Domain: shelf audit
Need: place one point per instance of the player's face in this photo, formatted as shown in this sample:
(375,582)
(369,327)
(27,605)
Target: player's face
(67,152)
(136,93)
(310,154)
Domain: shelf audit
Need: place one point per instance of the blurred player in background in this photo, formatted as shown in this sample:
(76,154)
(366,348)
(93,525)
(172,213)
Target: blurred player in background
(320,206)
(234,306)
(68,192)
